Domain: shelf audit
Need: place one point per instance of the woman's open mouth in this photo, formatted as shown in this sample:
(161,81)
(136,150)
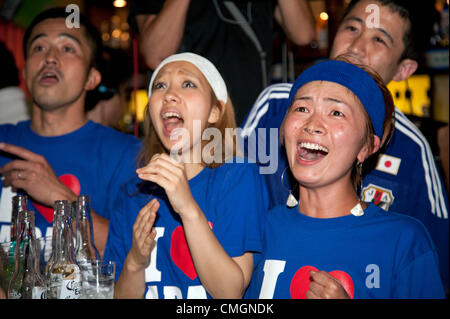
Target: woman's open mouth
(171,120)
(310,152)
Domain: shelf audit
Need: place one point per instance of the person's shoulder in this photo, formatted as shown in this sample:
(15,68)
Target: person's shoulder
(407,132)
(282,215)
(278,210)
(277,91)
(279,87)
(403,226)
(238,163)
(10,128)
(236,168)
(7,127)
(268,109)
(411,146)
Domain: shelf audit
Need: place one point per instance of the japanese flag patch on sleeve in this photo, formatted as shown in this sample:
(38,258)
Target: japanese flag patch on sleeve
(388,164)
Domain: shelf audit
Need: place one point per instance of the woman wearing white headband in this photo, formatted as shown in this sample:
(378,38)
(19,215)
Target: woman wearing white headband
(186,227)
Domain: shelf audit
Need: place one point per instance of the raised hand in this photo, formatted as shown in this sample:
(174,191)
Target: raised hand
(325,286)
(30,173)
(143,235)
(170,175)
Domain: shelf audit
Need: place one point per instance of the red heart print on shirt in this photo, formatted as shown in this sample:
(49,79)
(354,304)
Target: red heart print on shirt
(301,280)
(345,280)
(179,251)
(72,182)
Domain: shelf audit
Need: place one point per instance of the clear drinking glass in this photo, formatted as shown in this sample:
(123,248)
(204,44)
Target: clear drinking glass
(97,279)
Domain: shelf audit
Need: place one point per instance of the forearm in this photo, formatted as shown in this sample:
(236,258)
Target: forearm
(161,35)
(296,19)
(62,193)
(131,283)
(221,276)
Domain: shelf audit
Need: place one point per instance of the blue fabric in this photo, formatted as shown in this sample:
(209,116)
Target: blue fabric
(99,158)
(233,199)
(385,255)
(416,190)
(352,77)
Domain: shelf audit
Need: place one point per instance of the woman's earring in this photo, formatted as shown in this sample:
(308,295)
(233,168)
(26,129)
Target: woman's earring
(360,173)
(291,200)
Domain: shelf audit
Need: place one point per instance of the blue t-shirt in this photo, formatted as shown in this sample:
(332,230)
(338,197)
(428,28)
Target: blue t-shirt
(233,198)
(94,160)
(405,178)
(376,255)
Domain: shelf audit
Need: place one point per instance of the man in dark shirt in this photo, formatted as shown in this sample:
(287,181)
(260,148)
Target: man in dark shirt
(208,28)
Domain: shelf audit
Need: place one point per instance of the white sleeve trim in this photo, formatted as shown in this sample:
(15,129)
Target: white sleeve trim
(434,187)
(261,106)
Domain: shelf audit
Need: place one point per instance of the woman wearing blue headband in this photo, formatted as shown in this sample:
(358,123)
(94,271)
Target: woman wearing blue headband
(330,244)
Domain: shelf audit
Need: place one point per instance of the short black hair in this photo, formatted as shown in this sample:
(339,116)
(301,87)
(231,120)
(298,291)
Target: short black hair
(91,32)
(10,73)
(418,14)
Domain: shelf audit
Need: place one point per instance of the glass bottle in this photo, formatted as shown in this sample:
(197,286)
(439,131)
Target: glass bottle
(19,203)
(27,281)
(64,277)
(58,226)
(86,250)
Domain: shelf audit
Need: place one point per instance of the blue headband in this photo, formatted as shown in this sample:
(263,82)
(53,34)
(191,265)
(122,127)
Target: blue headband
(352,77)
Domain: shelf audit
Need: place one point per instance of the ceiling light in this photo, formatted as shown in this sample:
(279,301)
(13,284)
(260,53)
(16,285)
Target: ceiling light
(119,3)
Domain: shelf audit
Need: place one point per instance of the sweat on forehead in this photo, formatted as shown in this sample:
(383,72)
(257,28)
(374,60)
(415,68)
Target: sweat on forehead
(208,69)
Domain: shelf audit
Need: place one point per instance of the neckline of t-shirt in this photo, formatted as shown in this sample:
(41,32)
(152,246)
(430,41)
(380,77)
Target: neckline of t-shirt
(206,170)
(60,138)
(335,222)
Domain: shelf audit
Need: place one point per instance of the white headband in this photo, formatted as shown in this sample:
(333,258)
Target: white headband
(205,66)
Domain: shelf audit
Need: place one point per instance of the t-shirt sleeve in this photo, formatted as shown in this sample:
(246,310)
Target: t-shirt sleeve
(124,169)
(417,275)
(119,234)
(240,207)
(420,279)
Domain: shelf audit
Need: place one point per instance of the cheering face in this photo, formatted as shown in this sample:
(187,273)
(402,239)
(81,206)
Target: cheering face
(181,100)
(324,133)
(57,67)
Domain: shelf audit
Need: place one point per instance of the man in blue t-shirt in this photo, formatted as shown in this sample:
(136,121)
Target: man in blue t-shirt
(59,154)
(405,179)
